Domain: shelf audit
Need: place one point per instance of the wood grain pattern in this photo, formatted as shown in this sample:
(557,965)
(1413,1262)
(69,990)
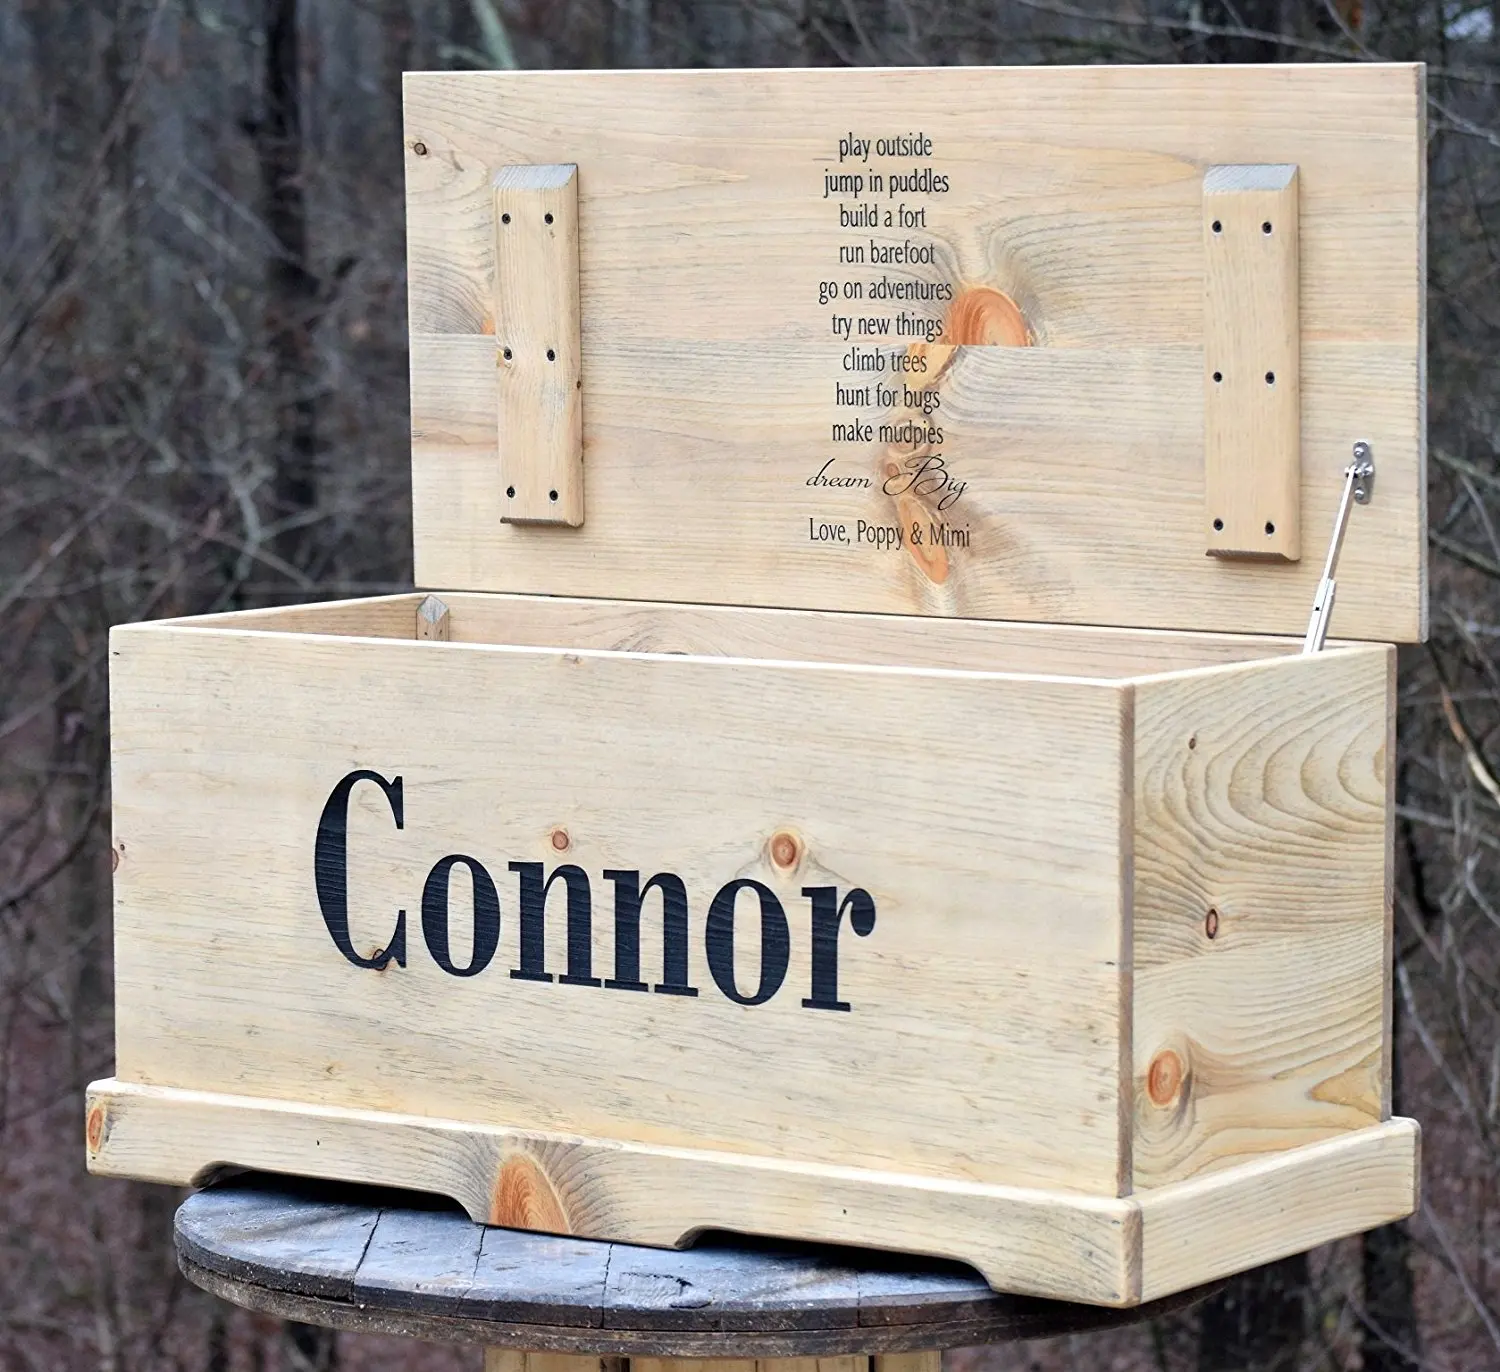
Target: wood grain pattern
(305,1236)
(787,635)
(734,1364)
(515,1360)
(757,1287)
(1038,1319)
(1028,1241)
(820,636)
(1252,429)
(844,1364)
(387,616)
(538,361)
(245,1234)
(405,1238)
(1278,1205)
(1261,910)
(1047,1243)
(710,366)
(1095,1040)
(929,789)
(1019,1318)
(523,1198)
(930,1361)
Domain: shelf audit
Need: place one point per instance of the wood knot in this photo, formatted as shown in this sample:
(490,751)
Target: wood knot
(95,1129)
(1164,1078)
(982,315)
(930,557)
(524,1199)
(560,840)
(785,849)
(1211,923)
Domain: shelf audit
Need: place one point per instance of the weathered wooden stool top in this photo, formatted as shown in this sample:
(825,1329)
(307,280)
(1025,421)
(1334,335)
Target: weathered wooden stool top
(390,1262)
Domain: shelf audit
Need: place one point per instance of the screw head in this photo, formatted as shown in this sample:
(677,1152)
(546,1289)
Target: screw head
(1364,472)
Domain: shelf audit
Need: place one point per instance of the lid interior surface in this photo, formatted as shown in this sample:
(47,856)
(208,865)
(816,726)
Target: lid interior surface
(1052,223)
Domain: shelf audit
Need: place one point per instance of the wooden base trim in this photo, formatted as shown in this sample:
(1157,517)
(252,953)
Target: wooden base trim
(1031,1242)
(1196,1231)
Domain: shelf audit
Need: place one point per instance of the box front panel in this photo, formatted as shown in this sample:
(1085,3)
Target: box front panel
(884,928)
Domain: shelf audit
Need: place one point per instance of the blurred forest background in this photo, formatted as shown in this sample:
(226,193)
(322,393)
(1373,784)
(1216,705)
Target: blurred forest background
(203,407)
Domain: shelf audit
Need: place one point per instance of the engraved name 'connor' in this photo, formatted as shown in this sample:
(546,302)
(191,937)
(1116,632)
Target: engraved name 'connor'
(534,884)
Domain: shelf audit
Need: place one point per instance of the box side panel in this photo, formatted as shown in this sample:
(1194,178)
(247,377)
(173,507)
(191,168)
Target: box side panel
(387,616)
(648,626)
(978,818)
(1261,909)
(821,636)
(733,423)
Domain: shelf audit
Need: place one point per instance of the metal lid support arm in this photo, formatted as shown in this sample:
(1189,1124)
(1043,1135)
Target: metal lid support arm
(1359,484)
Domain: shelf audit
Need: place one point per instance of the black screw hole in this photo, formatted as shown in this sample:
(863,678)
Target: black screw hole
(505,219)
(551,495)
(507,354)
(1218,526)
(547,218)
(1218,227)
(1270,528)
(1218,376)
(420,149)
(551,356)
(510,492)
(1270,378)
(1266,227)
(1193,742)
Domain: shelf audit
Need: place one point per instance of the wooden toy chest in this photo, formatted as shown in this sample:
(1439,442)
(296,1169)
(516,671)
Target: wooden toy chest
(851,772)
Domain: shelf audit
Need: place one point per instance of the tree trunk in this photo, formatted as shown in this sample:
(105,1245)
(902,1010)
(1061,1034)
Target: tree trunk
(1258,1322)
(291,288)
(631,33)
(1389,1339)
(1254,16)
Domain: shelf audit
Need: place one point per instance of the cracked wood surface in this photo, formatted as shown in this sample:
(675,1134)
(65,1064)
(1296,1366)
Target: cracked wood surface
(360,1258)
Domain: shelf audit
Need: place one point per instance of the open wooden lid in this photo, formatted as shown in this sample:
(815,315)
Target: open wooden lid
(1014,343)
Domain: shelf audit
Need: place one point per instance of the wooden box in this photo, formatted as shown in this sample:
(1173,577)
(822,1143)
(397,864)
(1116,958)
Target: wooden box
(775,815)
